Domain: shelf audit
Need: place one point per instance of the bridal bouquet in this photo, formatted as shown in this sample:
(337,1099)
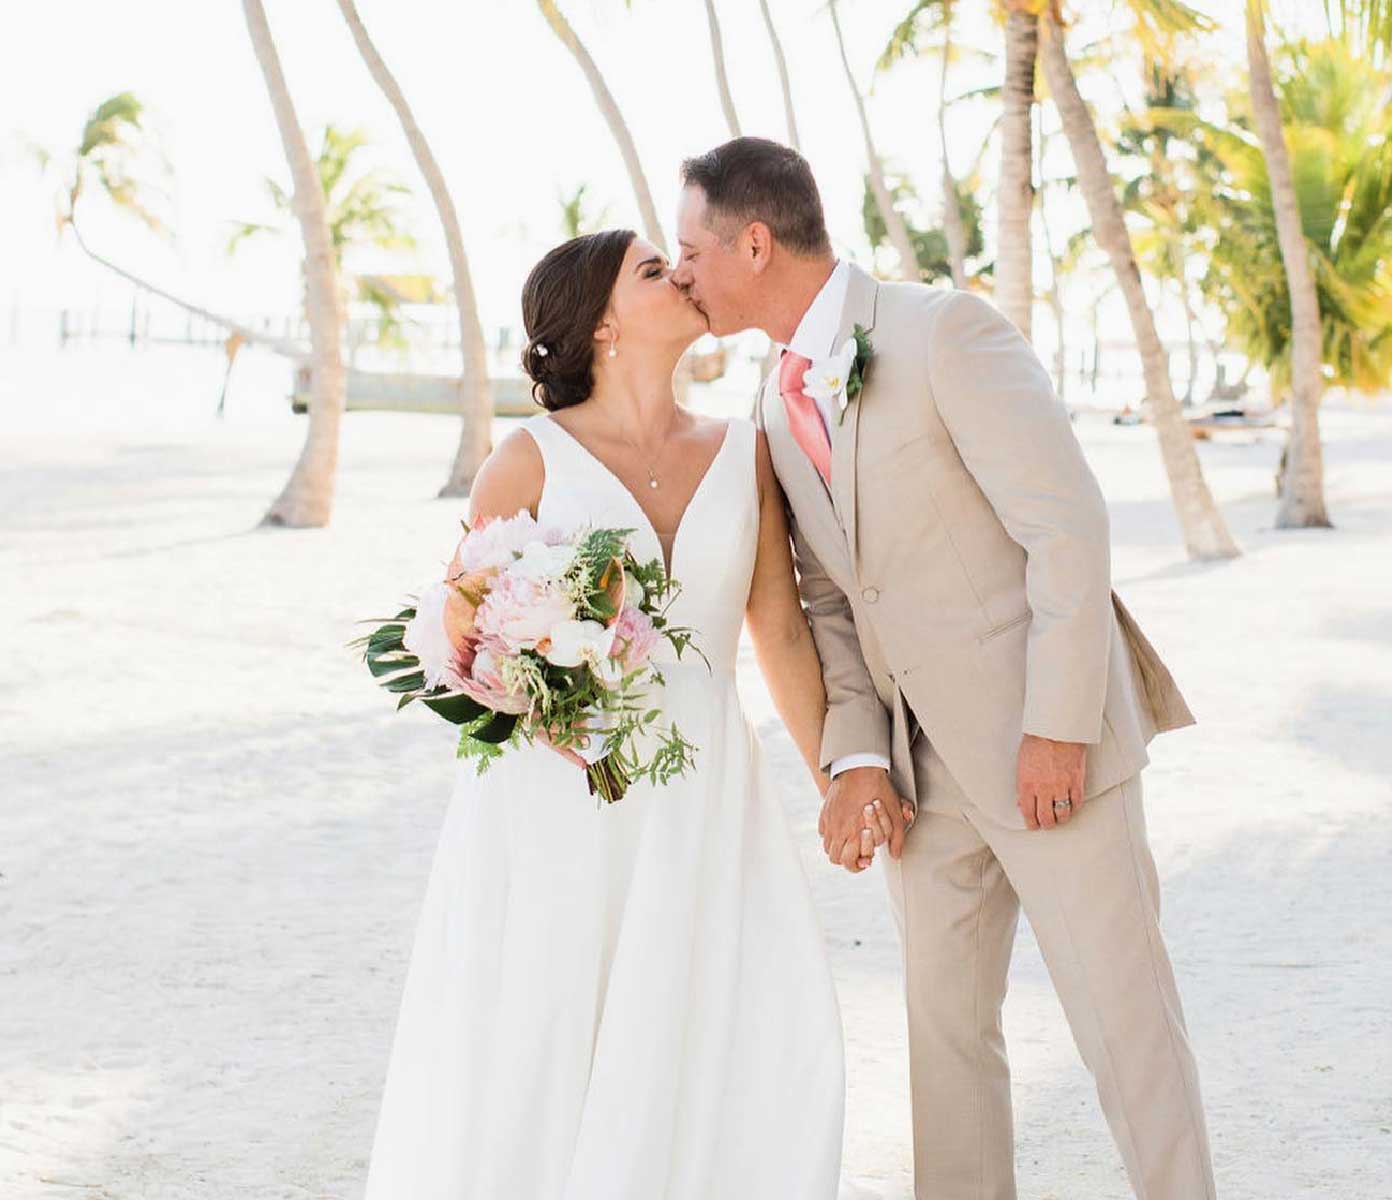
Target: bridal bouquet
(539,630)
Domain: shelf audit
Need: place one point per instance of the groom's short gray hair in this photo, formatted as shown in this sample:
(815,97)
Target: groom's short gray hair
(754,179)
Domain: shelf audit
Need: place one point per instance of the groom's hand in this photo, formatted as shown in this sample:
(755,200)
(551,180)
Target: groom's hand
(844,814)
(1049,772)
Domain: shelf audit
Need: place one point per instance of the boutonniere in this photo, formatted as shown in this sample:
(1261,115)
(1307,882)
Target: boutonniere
(841,376)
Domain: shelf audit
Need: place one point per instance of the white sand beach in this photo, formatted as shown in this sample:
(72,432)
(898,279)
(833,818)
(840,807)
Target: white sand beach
(215,832)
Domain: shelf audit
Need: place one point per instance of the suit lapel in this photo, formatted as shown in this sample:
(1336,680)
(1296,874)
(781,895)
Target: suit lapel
(861,293)
(812,505)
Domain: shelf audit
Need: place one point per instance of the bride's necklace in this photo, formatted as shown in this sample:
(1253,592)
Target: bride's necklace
(648,466)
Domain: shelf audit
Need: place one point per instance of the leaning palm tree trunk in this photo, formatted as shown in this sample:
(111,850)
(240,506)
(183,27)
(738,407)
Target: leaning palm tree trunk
(782,64)
(475,392)
(722,80)
(894,223)
(308,495)
(1302,481)
(280,345)
(952,200)
(1205,532)
(613,117)
(1015,203)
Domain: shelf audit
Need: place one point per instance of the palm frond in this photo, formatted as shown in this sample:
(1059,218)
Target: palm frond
(907,38)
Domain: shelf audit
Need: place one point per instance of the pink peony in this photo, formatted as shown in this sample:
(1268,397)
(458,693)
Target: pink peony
(497,542)
(634,637)
(519,613)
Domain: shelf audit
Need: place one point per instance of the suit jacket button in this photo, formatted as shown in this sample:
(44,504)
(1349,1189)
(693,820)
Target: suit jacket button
(871,594)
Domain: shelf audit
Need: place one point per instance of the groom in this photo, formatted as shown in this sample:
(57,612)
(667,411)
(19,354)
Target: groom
(953,556)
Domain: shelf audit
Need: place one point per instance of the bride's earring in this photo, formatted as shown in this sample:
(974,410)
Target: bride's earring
(614,348)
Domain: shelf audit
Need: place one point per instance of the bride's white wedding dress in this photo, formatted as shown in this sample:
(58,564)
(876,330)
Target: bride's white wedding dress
(627,1002)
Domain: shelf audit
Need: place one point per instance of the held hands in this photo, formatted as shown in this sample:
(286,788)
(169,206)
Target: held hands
(860,811)
(1049,780)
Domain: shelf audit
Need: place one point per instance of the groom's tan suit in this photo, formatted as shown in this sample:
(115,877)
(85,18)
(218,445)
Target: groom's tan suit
(957,580)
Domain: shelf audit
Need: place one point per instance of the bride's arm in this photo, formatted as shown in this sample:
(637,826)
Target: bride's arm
(511,478)
(508,479)
(782,640)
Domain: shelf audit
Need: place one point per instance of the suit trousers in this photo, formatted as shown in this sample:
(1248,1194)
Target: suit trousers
(1091,894)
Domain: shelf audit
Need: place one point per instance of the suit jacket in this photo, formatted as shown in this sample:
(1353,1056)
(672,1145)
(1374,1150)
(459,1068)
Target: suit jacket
(957,575)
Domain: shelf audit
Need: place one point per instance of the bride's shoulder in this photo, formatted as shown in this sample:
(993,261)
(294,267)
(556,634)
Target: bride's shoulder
(509,478)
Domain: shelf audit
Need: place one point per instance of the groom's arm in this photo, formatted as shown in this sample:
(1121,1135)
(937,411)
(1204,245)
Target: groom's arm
(856,733)
(856,721)
(1014,437)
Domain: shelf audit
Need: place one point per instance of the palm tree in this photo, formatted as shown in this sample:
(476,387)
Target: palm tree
(1013,269)
(894,222)
(930,245)
(475,391)
(576,217)
(906,39)
(1366,25)
(782,64)
(1302,481)
(1205,532)
(1015,194)
(1168,235)
(1055,290)
(307,498)
(359,206)
(117,161)
(722,81)
(1338,131)
(618,127)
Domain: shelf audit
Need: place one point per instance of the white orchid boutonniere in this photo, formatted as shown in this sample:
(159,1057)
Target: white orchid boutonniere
(841,376)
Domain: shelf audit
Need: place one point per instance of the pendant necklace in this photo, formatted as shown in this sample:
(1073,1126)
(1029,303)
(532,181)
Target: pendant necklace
(652,475)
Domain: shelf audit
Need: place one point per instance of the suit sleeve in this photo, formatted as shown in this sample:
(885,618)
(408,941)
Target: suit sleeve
(856,721)
(1014,437)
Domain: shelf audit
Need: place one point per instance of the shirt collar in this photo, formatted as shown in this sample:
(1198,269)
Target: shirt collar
(817,329)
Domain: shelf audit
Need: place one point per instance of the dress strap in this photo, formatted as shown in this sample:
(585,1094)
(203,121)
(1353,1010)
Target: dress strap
(549,440)
(748,456)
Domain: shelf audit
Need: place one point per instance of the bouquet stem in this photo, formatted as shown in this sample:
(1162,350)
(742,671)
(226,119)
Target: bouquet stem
(607,779)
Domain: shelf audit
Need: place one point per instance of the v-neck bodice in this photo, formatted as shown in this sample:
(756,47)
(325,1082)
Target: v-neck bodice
(713,547)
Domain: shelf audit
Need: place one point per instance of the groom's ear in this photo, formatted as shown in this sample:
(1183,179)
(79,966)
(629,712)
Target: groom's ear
(757,246)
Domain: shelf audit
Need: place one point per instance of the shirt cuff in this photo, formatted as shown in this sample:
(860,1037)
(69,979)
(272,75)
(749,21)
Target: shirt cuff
(847,761)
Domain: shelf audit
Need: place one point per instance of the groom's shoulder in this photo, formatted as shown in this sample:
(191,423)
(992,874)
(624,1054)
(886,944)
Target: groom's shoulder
(926,298)
(935,312)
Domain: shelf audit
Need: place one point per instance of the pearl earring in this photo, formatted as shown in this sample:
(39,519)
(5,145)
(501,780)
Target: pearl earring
(614,349)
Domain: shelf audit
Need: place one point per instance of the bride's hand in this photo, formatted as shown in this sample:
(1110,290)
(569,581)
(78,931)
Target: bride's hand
(876,821)
(564,751)
(867,849)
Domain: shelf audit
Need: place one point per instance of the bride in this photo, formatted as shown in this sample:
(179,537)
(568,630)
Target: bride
(629,1002)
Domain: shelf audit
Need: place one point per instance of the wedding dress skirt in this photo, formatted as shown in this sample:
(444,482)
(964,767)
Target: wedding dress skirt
(631,1001)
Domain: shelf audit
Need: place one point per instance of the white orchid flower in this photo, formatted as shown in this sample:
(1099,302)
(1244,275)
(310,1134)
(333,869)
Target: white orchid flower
(575,642)
(540,561)
(826,378)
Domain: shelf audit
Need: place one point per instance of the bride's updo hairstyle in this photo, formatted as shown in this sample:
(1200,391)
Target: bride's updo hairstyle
(563,302)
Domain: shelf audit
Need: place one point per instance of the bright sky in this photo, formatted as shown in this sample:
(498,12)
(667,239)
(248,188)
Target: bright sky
(504,105)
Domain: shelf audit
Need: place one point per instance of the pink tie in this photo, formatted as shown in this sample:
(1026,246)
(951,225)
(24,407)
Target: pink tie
(803,418)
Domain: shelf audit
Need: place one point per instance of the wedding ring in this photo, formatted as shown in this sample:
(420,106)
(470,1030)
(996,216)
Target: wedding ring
(1062,805)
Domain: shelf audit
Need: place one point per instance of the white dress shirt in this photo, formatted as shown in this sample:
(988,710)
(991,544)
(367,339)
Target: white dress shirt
(813,336)
(812,339)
